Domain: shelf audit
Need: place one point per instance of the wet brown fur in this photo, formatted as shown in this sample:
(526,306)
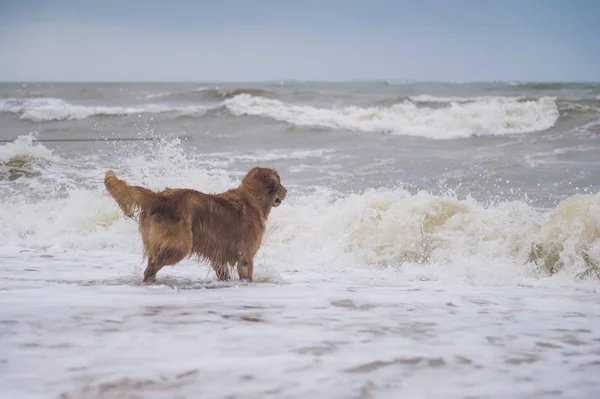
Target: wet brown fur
(225,229)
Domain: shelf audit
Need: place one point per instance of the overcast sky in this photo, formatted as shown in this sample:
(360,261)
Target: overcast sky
(237,40)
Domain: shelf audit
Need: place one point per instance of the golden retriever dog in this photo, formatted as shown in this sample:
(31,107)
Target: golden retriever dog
(225,229)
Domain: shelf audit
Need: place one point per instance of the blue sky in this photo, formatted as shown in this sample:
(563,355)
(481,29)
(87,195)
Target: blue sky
(236,40)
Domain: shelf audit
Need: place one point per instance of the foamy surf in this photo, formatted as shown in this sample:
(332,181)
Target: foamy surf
(481,117)
(373,229)
(25,147)
(24,158)
(392,228)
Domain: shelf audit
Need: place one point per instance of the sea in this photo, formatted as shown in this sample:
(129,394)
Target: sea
(439,240)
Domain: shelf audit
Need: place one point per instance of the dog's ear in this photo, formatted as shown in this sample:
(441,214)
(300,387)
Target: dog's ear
(273,184)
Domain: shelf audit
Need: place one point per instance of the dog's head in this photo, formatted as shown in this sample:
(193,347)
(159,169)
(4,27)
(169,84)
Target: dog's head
(267,180)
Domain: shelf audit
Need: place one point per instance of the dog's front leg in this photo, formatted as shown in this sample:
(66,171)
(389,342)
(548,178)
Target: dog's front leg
(245,268)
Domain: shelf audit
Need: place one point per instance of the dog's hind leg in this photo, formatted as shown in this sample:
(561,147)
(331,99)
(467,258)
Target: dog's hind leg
(168,243)
(151,270)
(222,271)
(166,256)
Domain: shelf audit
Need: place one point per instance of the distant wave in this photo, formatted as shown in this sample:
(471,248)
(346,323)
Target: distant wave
(493,116)
(209,93)
(232,92)
(584,105)
(424,115)
(55,109)
(545,85)
(426,98)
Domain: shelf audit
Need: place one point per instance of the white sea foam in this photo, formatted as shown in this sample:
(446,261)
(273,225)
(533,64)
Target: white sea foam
(394,228)
(385,227)
(56,109)
(25,147)
(79,325)
(494,116)
(432,236)
(378,228)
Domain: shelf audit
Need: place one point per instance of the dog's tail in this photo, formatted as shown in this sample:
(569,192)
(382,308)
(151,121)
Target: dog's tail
(131,199)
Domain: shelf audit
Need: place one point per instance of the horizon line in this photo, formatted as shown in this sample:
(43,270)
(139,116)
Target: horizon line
(271,81)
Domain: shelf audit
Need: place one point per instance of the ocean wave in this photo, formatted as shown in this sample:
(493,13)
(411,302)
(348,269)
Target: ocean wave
(392,228)
(223,92)
(56,109)
(563,104)
(24,158)
(381,228)
(422,115)
(427,98)
(493,116)
(190,93)
(209,93)
(541,86)
(25,147)
(322,229)
(583,106)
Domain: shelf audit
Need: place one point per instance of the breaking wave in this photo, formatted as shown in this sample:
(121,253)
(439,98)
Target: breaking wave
(392,228)
(55,109)
(451,117)
(25,147)
(482,117)
(383,228)
(23,159)
(323,229)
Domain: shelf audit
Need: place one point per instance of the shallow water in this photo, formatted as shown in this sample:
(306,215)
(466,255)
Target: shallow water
(87,329)
(432,233)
